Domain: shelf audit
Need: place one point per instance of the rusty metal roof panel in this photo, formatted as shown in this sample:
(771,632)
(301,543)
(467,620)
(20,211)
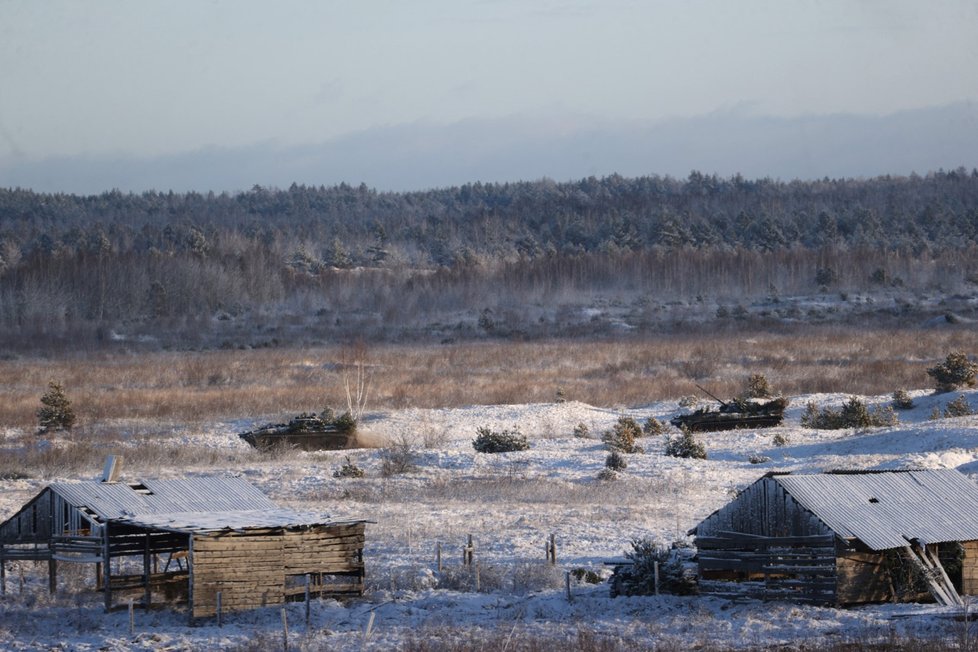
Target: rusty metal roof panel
(886,509)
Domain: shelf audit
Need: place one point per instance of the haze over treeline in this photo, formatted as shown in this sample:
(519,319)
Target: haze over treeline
(339,261)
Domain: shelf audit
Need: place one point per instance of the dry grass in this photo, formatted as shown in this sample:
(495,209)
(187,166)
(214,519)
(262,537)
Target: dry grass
(194,387)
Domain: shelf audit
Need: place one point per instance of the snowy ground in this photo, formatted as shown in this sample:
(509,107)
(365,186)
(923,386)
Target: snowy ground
(511,503)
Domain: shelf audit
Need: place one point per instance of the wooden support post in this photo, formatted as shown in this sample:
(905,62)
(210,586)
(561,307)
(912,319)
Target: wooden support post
(107,567)
(98,576)
(552,550)
(307,602)
(132,619)
(478,578)
(567,583)
(438,555)
(468,553)
(3,572)
(52,575)
(219,610)
(146,574)
(190,578)
(285,631)
(655,567)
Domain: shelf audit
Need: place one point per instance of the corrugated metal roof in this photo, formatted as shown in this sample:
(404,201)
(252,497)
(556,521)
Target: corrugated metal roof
(231,520)
(885,509)
(206,494)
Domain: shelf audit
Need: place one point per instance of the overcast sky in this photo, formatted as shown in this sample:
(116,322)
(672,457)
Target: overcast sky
(100,88)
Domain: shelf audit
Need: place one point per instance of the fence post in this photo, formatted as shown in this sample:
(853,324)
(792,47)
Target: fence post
(655,566)
(552,550)
(438,555)
(132,619)
(567,583)
(478,577)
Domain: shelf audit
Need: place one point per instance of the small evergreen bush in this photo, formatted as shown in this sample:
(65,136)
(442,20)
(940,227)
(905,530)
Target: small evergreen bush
(348,470)
(581,431)
(852,414)
(955,371)
(607,475)
(685,446)
(959,407)
(780,439)
(638,578)
(55,412)
(505,441)
(653,427)
(902,400)
(615,461)
(757,387)
(622,436)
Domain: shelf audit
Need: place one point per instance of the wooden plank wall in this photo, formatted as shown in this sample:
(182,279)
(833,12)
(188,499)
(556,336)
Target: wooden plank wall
(796,568)
(255,570)
(969,568)
(862,578)
(764,509)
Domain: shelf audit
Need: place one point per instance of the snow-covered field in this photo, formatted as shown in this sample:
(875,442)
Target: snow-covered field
(511,503)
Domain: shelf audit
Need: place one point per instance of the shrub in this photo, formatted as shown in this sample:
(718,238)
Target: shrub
(755,458)
(955,371)
(348,470)
(585,576)
(688,401)
(607,475)
(902,400)
(852,414)
(652,426)
(615,461)
(398,458)
(685,446)
(55,412)
(622,436)
(560,396)
(506,441)
(638,578)
(581,431)
(757,387)
(935,413)
(959,407)
(780,439)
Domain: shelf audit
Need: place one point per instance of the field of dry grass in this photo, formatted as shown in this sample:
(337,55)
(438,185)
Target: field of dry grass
(195,387)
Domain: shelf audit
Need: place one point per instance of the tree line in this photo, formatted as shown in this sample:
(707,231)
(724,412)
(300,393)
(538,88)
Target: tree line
(71,261)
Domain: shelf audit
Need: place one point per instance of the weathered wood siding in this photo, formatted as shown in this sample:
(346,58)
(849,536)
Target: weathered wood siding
(861,578)
(969,568)
(763,509)
(255,570)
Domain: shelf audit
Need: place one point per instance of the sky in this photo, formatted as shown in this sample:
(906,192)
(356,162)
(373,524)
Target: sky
(98,94)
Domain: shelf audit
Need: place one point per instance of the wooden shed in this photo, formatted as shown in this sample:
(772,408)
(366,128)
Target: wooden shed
(845,537)
(186,540)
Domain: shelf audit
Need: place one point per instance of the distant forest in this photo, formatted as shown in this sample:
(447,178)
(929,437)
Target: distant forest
(347,260)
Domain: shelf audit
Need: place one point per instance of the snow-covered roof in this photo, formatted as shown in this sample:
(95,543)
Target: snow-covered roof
(190,505)
(885,509)
(121,500)
(201,522)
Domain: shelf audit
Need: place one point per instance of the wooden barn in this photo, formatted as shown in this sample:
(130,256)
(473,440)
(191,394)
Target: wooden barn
(202,541)
(845,538)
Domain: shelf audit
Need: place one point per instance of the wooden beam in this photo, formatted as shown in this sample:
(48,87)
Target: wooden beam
(146,590)
(107,567)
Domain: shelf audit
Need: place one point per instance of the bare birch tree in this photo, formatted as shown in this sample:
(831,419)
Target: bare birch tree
(356,378)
